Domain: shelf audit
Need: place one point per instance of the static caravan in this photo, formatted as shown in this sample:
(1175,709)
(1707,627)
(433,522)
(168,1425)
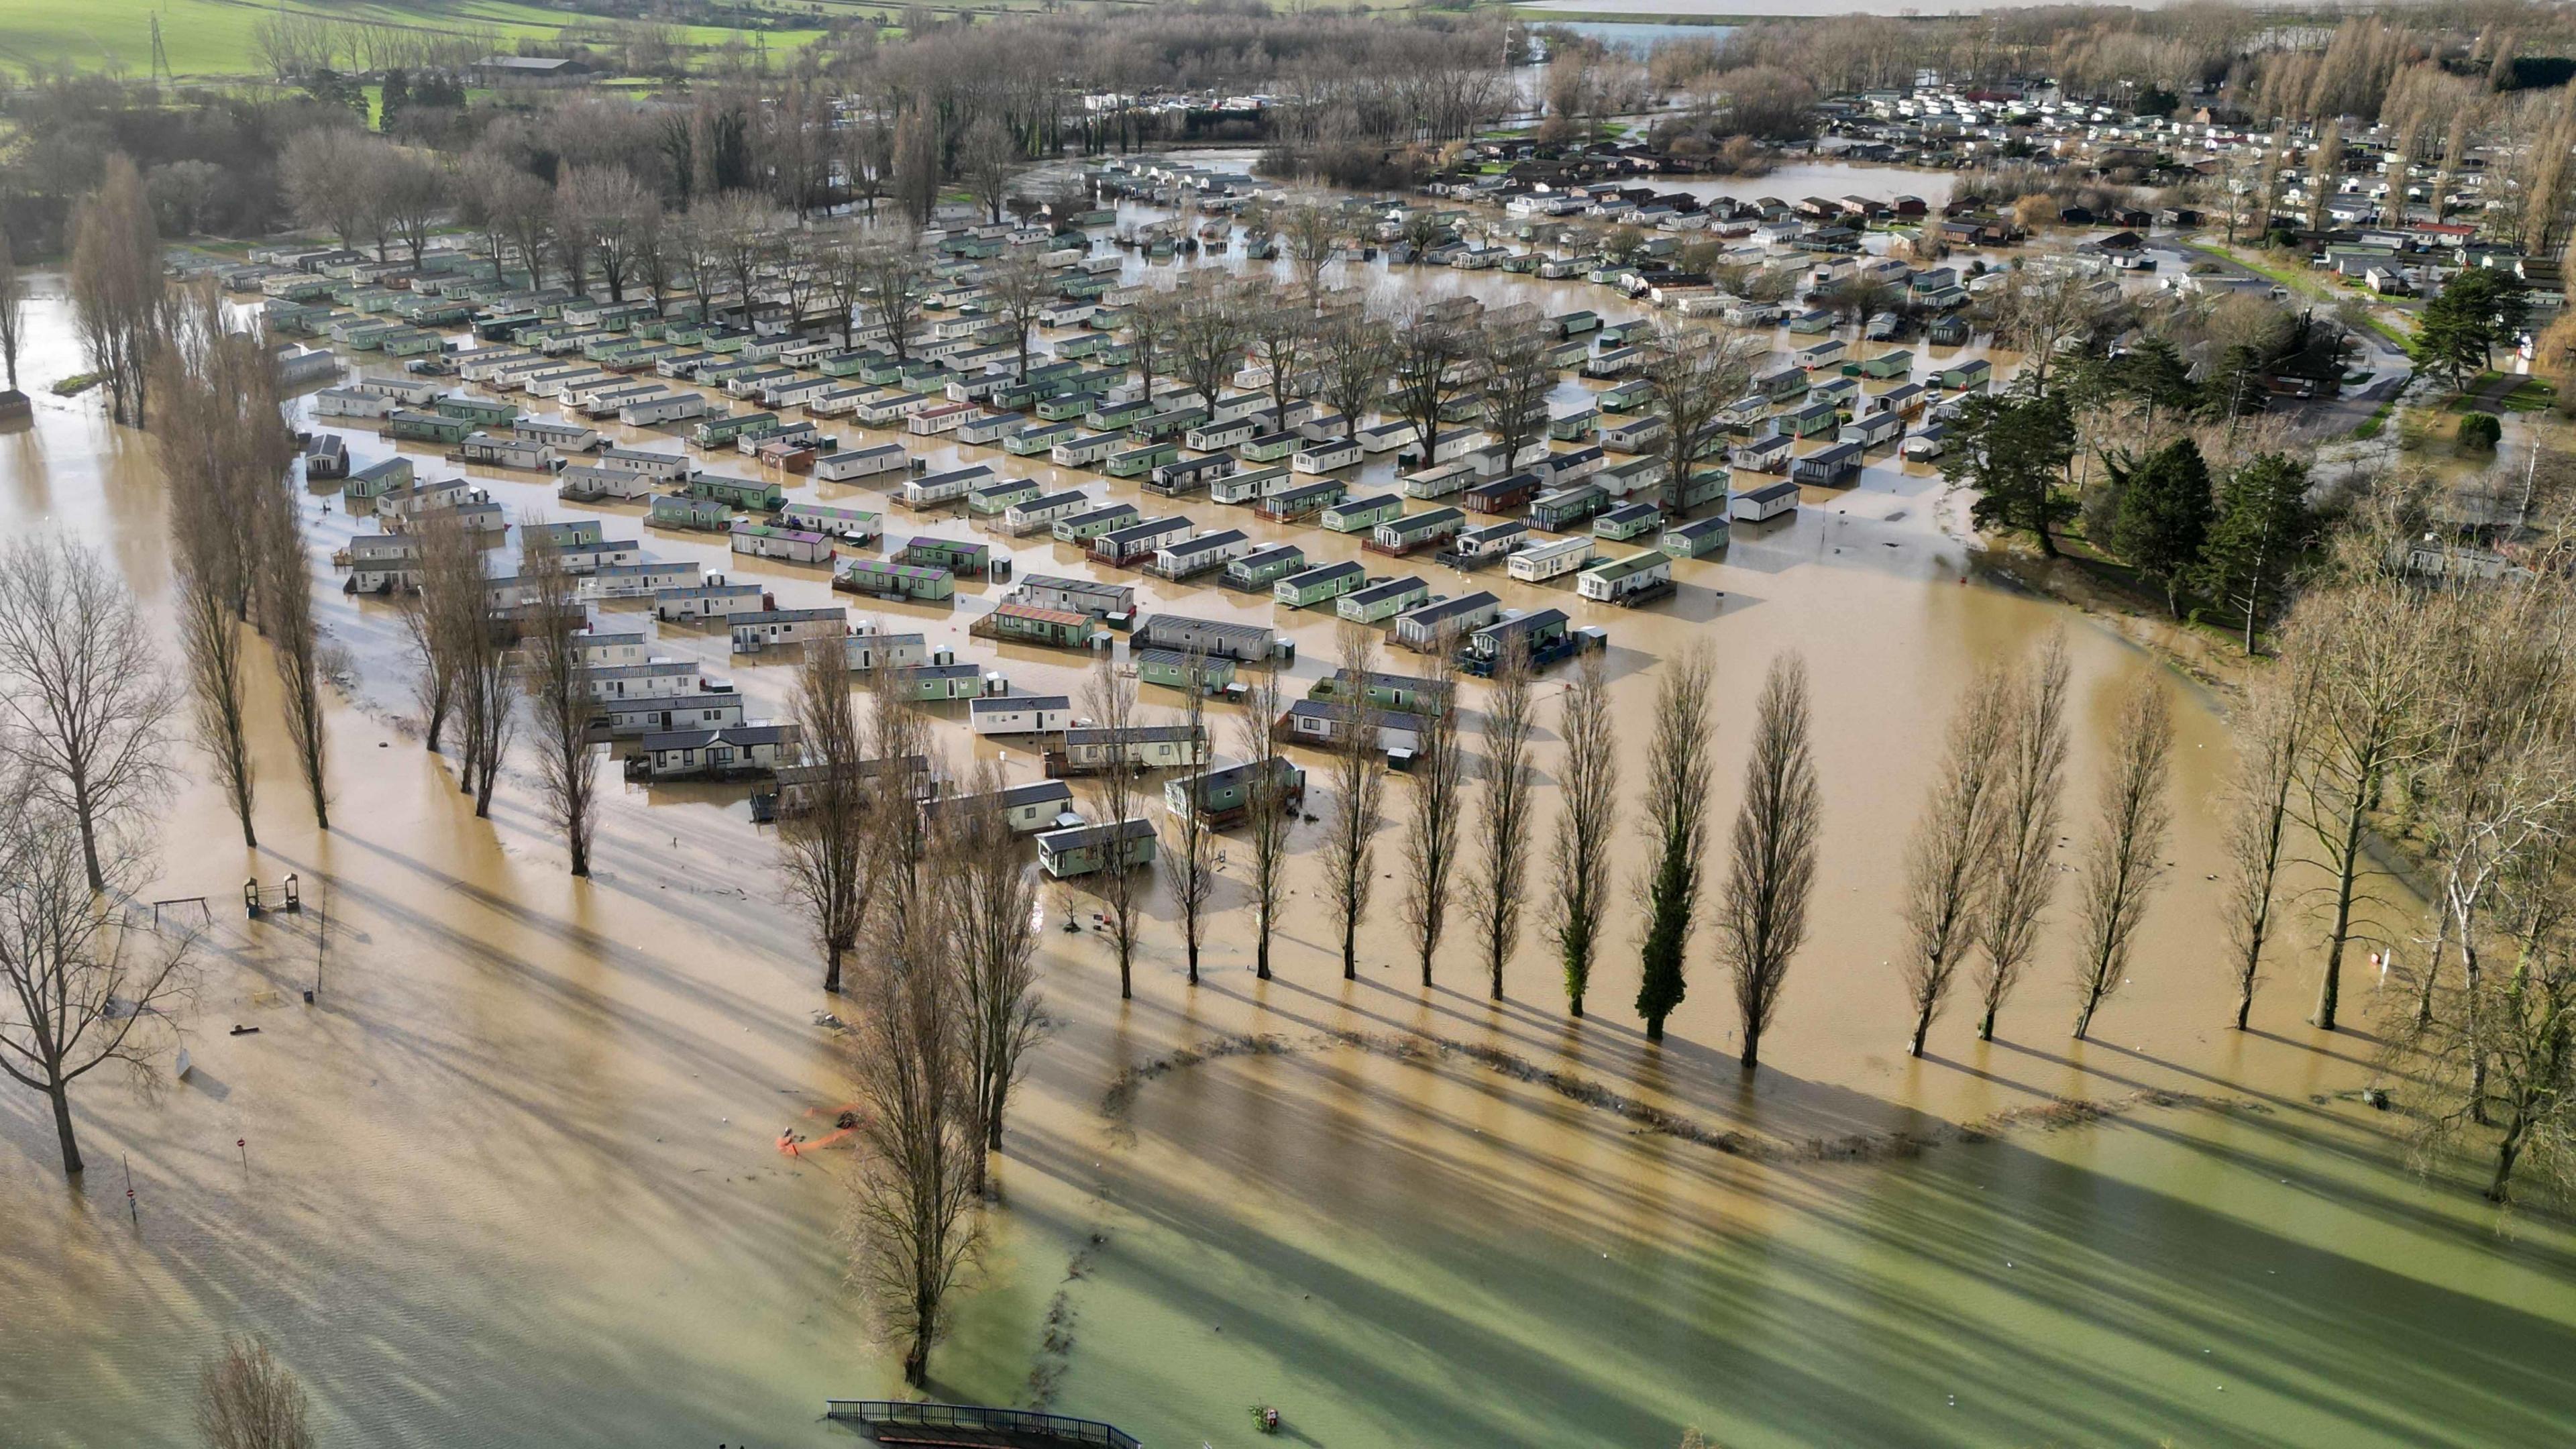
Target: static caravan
(781,628)
(1035,806)
(1872,430)
(638,580)
(1832,468)
(1001,495)
(1899,363)
(1699,537)
(1013,621)
(1410,533)
(1474,548)
(1221,795)
(661,467)
(407,390)
(709,706)
(1564,469)
(1780,384)
(1927,442)
(1828,353)
(1040,437)
(1904,400)
(1139,461)
(1086,451)
(326,456)
(1088,524)
(1215,638)
(1574,426)
(1036,510)
(420,427)
(1539,562)
(1502,495)
(752,495)
(1766,454)
(1374,603)
(1359,515)
(939,418)
(710,600)
(717,432)
(1089,849)
(964,557)
(1559,509)
(1188,475)
(562,436)
(1813,420)
(1327,456)
(1446,447)
(1309,587)
(1637,579)
(1173,669)
(1214,436)
(933,490)
(1614,362)
(1439,482)
(1021,714)
(610,402)
(838,401)
(1303,500)
(1136,542)
(1245,485)
(1383,438)
(1437,627)
(1627,521)
(1271,447)
(679,510)
(669,407)
(1972,375)
(868,648)
(901,580)
(856,463)
(1199,554)
(1323,723)
(1261,567)
(494,451)
(581,484)
(1762,504)
(768,540)
(1545,634)
(987,428)
(1637,435)
(1090,597)
(482,412)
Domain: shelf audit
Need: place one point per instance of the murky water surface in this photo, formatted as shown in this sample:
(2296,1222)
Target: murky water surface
(512,1178)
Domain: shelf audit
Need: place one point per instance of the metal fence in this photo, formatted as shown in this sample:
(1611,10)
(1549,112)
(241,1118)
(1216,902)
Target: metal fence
(899,1413)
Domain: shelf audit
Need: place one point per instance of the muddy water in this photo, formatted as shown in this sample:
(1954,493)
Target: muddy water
(512,1178)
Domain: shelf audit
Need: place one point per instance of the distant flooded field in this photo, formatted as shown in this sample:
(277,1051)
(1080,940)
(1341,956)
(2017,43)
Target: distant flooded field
(512,1178)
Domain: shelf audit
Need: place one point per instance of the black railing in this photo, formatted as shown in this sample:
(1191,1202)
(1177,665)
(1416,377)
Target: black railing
(900,1413)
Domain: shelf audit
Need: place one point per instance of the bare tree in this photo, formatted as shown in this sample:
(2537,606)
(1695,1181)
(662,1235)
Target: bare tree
(1503,819)
(1691,374)
(1680,770)
(913,1197)
(1207,340)
(1189,852)
(246,1399)
(2121,867)
(602,213)
(1771,873)
(1943,888)
(1585,826)
(1153,328)
(13,309)
(1431,842)
(2269,739)
(210,643)
(984,156)
(1283,341)
(84,700)
(1310,233)
(899,842)
(119,300)
(1359,793)
(989,904)
(459,591)
(824,822)
(2022,876)
(413,194)
(1118,792)
(1270,810)
(892,273)
(78,988)
(1355,351)
(1520,371)
(1429,357)
(285,591)
(555,635)
(1019,286)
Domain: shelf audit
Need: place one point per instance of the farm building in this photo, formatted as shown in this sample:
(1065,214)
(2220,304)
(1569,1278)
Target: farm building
(1022,714)
(1637,579)
(1762,504)
(1435,628)
(1375,603)
(883,576)
(1216,638)
(1309,587)
(1082,850)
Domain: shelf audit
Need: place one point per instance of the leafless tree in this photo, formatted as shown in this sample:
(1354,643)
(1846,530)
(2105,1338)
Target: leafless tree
(1680,771)
(285,593)
(1310,234)
(1771,873)
(84,701)
(2022,875)
(1109,698)
(1189,849)
(78,988)
(1019,286)
(1359,794)
(602,213)
(1283,341)
(899,842)
(458,589)
(1355,351)
(892,275)
(984,156)
(1270,810)
(119,300)
(2121,864)
(1691,374)
(13,309)
(323,170)
(1153,329)
(823,834)
(1943,889)
(2269,738)
(1520,371)
(1503,819)
(413,194)
(246,1399)
(912,1199)
(1431,828)
(1207,339)
(555,641)
(1429,357)
(988,910)
(1585,825)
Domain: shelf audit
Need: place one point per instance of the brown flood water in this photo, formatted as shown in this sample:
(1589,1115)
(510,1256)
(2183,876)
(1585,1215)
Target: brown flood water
(512,1179)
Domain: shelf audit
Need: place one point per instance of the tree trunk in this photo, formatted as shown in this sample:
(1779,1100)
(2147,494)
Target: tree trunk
(2084,1017)
(1751,1057)
(63,1129)
(916,1363)
(1261,955)
(832,968)
(2507,1151)
(1191,947)
(2330,991)
(1986,1025)
(1126,976)
(88,835)
(1922,1029)
(1350,948)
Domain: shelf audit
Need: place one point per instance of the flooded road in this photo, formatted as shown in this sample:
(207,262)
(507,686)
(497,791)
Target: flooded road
(512,1178)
